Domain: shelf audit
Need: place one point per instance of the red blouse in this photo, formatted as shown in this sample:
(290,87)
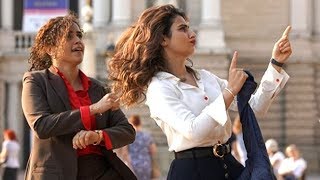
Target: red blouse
(80,100)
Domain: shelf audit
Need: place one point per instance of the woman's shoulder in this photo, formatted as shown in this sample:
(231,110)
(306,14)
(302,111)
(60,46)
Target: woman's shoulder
(36,73)
(39,74)
(5,143)
(279,155)
(97,84)
(162,79)
(163,82)
(12,144)
(205,73)
(145,136)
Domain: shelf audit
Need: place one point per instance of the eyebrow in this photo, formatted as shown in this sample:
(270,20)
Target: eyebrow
(71,31)
(183,25)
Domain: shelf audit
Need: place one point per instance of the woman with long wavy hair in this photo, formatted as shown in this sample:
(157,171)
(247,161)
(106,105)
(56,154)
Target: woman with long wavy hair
(189,105)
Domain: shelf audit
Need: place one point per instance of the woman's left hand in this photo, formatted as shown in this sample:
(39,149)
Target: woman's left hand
(84,138)
(282,48)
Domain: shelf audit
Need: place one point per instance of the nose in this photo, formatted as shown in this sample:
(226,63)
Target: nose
(79,40)
(192,34)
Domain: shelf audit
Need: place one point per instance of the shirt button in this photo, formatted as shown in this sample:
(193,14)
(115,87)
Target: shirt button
(225,166)
(226,175)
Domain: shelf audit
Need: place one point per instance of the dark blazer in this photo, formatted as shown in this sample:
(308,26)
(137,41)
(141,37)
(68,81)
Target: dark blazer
(258,164)
(46,106)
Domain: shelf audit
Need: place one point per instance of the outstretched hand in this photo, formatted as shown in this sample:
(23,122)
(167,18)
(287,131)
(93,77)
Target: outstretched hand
(282,48)
(237,76)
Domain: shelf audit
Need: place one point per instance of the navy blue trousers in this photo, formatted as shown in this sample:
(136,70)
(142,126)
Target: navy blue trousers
(206,168)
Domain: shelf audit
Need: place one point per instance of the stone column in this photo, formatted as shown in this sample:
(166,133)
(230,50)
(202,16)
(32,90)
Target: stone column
(211,14)
(121,12)
(301,14)
(7,14)
(301,18)
(2,103)
(101,12)
(14,116)
(162,2)
(81,3)
(317,18)
(88,65)
(211,34)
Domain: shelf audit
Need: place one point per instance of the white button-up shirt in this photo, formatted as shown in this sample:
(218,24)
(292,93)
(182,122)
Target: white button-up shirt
(196,116)
(290,165)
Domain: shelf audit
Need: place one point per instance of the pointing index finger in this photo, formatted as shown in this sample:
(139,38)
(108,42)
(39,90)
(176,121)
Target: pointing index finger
(234,60)
(286,32)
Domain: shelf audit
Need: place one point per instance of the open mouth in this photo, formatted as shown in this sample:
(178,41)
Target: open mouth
(77,49)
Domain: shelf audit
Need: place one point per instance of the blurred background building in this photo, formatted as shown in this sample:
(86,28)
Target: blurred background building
(248,26)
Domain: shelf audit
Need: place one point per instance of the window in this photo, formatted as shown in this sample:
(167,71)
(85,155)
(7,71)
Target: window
(17,14)
(1,14)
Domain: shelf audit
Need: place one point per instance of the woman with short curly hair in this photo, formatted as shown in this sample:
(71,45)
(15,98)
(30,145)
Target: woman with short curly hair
(74,120)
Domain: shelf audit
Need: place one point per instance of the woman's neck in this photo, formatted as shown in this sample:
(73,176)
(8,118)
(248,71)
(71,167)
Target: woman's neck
(137,128)
(71,74)
(177,67)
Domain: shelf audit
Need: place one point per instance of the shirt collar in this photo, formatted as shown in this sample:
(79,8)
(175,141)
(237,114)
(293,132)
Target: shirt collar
(165,75)
(86,82)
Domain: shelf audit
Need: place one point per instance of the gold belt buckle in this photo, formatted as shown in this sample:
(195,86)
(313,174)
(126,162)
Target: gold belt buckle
(215,147)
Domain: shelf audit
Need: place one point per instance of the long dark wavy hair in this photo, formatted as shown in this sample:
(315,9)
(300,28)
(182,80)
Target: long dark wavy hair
(139,54)
(50,38)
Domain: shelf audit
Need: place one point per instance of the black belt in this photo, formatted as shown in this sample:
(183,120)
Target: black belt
(218,150)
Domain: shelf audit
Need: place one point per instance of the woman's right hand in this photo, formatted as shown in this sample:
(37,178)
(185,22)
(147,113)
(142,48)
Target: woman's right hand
(237,76)
(84,138)
(109,101)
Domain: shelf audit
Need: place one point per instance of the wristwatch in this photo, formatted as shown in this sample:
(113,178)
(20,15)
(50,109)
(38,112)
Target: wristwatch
(99,132)
(275,62)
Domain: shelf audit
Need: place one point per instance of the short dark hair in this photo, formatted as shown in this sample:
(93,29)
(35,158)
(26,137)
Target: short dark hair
(10,134)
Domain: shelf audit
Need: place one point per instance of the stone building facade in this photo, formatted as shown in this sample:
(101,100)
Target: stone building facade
(248,26)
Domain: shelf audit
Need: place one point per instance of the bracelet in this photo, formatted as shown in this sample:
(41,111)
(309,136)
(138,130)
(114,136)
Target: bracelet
(230,92)
(93,108)
(99,132)
(275,62)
